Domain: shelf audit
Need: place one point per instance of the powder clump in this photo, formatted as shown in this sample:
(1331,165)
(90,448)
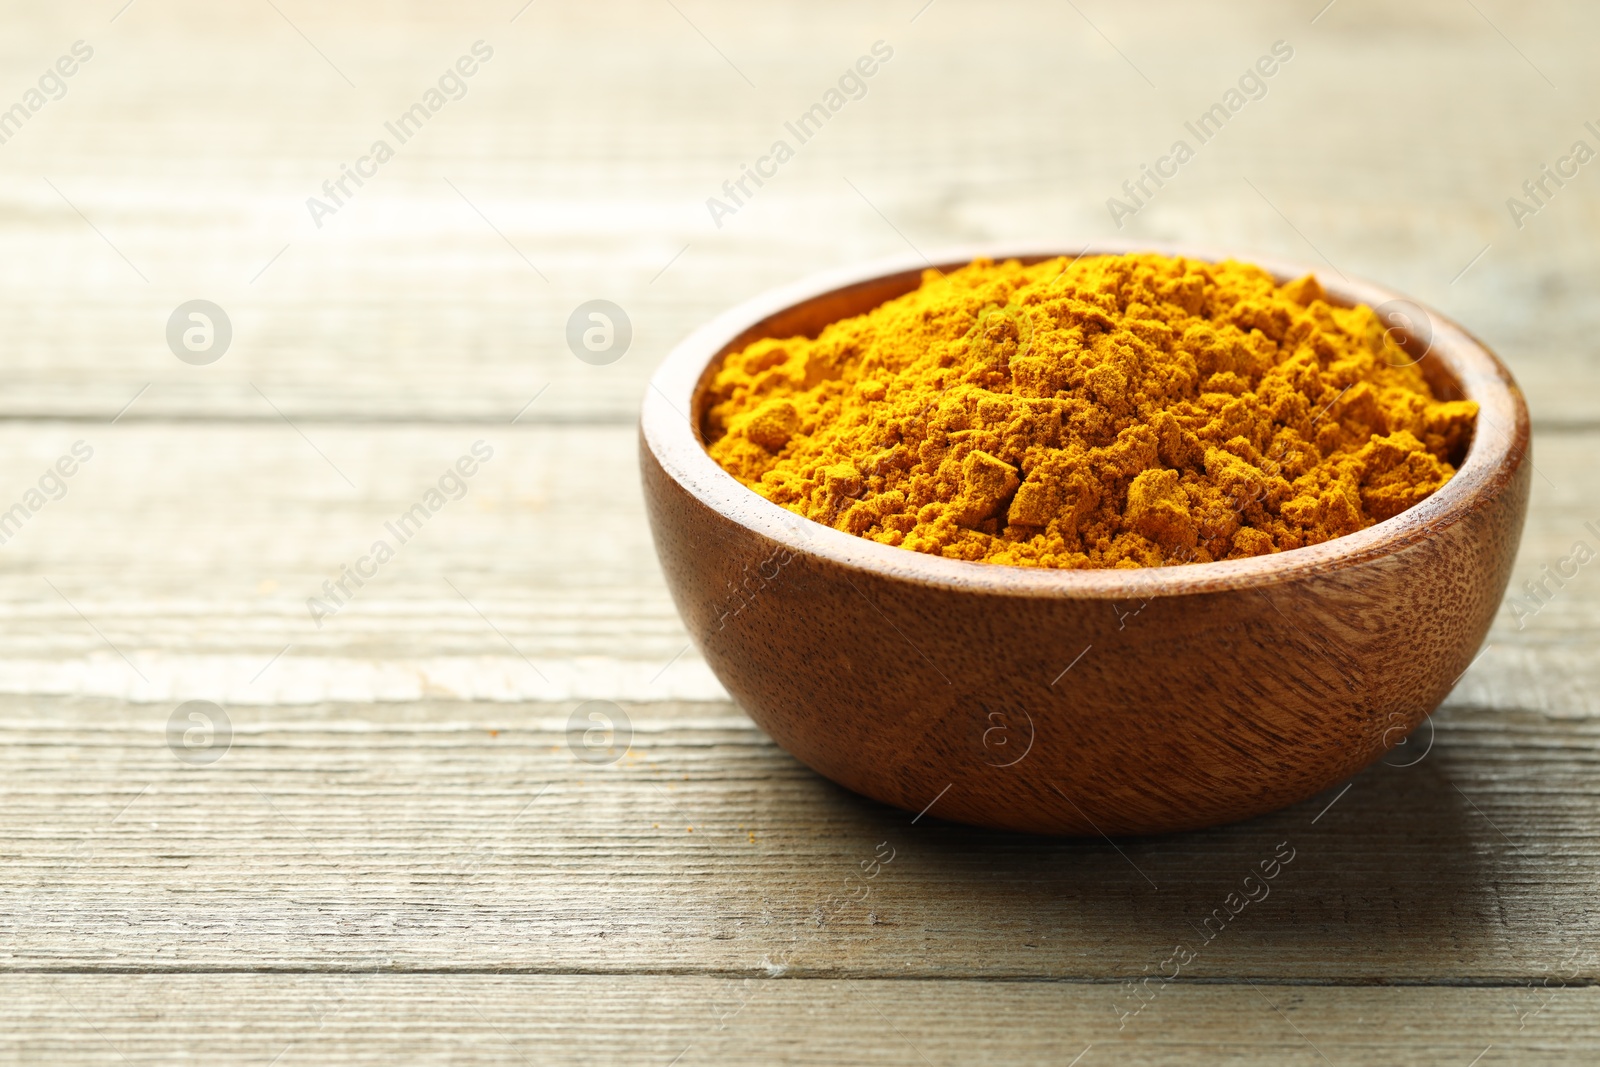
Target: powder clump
(1109,411)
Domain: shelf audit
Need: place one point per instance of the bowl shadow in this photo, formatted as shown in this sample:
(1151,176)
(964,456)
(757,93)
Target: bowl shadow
(1383,879)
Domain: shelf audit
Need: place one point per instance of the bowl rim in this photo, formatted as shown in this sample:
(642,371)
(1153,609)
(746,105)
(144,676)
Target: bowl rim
(667,427)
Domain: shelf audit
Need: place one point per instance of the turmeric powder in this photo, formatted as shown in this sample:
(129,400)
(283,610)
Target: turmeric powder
(1106,411)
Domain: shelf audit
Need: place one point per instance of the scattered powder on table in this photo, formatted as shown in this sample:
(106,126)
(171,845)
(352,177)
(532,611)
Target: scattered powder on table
(1110,411)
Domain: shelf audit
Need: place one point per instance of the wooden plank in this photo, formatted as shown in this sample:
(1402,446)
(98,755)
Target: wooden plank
(479,1019)
(593,159)
(223,532)
(539,581)
(446,836)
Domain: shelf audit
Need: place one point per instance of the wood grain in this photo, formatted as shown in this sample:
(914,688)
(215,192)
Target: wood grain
(223,531)
(411,324)
(469,838)
(472,1019)
(592,141)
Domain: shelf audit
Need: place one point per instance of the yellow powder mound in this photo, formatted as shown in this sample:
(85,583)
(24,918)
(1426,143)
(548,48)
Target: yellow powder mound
(1112,411)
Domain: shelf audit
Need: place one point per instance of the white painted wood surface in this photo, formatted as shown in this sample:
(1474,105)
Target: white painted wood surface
(399,857)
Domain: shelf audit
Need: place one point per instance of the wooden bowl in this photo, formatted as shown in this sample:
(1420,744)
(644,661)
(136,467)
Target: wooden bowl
(1079,702)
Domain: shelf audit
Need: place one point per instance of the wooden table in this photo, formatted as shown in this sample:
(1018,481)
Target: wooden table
(399,855)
